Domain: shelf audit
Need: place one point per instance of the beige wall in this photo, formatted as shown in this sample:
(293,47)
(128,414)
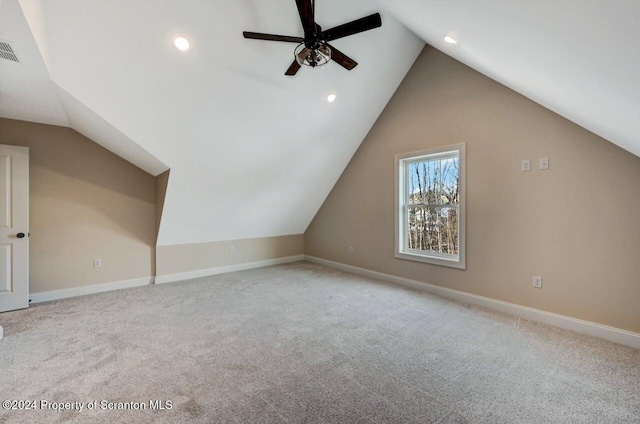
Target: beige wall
(85,203)
(162,181)
(180,258)
(577,224)
(88,203)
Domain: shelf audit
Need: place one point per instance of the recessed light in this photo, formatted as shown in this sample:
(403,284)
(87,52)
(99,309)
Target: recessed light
(331,98)
(181,43)
(450,40)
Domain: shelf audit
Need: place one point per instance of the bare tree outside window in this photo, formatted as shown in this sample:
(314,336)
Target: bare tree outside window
(432,205)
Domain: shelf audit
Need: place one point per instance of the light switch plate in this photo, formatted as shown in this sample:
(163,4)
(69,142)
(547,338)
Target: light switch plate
(543,164)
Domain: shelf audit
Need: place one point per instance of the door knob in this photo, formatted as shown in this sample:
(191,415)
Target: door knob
(20,235)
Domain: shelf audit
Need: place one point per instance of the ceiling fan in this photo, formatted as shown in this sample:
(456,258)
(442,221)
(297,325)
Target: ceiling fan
(314,49)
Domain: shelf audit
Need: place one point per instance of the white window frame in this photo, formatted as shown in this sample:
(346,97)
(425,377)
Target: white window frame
(401,194)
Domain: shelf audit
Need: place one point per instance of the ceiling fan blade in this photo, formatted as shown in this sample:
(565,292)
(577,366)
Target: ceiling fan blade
(305,9)
(353,27)
(342,59)
(295,66)
(272,37)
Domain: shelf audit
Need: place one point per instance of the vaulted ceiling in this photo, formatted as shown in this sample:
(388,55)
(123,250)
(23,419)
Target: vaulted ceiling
(581,59)
(254,153)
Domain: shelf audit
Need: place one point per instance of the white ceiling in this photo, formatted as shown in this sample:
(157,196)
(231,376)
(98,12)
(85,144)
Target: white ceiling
(26,91)
(254,153)
(581,59)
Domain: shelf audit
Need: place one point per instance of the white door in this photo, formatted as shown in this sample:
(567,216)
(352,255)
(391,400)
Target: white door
(14,227)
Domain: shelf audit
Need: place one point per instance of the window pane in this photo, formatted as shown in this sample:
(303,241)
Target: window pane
(433,182)
(449,178)
(433,229)
(424,182)
(416,218)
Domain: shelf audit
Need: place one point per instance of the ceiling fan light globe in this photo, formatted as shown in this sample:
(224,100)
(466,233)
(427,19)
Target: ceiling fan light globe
(314,57)
(325,50)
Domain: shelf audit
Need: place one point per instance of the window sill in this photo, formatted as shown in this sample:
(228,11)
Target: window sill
(458,263)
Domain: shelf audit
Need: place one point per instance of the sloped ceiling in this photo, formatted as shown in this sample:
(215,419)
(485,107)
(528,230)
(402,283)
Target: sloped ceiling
(26,91)
(581,59)
(254,153)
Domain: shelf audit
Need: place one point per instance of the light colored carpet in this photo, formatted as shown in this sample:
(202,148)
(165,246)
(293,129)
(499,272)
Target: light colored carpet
(302,343)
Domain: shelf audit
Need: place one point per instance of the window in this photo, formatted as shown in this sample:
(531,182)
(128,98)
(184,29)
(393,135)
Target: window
(430,206)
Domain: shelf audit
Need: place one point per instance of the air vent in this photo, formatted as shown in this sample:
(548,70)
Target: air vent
(6,52)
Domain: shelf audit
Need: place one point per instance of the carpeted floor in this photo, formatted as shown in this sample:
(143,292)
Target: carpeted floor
(302,343)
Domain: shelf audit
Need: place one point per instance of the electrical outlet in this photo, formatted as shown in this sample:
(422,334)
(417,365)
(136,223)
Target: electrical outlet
(232,249)
(97,263)
(537,282)
(350,249)
(526,165)
(543,164)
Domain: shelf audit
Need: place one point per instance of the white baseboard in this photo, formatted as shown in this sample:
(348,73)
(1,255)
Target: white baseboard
(613,334)
(137,282)
(91,289)
(1,333)
(169,278)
